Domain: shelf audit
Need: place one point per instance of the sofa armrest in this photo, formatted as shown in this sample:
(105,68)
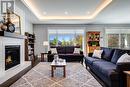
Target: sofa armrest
(90,54)
(123,67)
(114,75)
(50,57)
(49,52)
(114,78)
(81,52)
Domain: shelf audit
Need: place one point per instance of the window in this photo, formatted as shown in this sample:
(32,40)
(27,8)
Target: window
(125,40)
(65,37)
(118,38)
(113,40)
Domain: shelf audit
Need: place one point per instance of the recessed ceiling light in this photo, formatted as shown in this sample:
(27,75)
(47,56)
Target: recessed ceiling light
(66,12)
(44,13)
(88,12)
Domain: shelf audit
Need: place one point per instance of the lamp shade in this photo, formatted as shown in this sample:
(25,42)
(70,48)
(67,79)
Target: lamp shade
(45,43)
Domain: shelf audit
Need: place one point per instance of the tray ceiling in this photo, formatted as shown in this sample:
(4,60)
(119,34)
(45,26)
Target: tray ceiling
(66,9)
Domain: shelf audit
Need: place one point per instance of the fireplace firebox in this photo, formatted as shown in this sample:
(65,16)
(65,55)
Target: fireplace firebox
(12,56)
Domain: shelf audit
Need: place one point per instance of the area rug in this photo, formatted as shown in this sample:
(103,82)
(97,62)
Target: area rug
(40,76)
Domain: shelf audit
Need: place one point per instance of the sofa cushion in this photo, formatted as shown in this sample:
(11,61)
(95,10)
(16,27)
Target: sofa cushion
(107,53)
(61,55)
(61,50)
(90,60)
(117,54)
(106,68)
(69,49)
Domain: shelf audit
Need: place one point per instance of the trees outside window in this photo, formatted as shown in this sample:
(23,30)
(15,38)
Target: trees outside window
(67,38)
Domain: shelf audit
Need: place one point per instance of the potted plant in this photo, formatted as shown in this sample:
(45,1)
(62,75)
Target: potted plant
(94,43)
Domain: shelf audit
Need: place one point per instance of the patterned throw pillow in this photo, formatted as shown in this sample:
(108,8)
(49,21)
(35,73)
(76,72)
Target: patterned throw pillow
(53,50)
(77,50)
(97,53)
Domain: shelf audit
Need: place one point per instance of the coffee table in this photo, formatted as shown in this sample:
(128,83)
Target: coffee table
(54,65)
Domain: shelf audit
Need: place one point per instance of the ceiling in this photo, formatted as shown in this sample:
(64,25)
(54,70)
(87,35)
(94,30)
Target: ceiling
(79,11)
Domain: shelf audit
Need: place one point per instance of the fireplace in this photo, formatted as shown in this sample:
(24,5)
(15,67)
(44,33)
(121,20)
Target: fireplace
(12,56)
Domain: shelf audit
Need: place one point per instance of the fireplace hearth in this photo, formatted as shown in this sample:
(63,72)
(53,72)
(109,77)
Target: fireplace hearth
(12,56)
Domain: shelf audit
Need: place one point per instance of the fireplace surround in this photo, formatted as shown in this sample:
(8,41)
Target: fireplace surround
(6,46)
(17,63)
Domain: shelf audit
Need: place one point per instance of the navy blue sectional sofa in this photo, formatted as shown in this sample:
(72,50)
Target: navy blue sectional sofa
(107,68)
(66,52)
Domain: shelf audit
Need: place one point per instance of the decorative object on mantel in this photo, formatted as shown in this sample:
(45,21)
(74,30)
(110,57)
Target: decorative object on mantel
(3,27)
(8,23)
(11,22)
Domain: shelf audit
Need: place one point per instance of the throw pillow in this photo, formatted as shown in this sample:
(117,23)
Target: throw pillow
(77,50)
(53,50)
(107,53)
(97,53)
(124,58)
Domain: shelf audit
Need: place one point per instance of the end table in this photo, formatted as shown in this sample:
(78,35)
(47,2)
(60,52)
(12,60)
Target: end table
(128,77)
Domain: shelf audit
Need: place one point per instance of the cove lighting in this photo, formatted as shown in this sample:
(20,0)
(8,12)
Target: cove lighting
(32,7)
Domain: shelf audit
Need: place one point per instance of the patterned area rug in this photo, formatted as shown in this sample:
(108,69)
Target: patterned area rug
(40,76)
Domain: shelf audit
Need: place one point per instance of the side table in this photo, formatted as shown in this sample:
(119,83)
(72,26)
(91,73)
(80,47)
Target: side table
(128,77)
(42,56)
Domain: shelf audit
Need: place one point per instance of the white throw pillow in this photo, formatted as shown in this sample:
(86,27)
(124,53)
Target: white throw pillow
(53,50)
(97,53)
(77,50)
(124,58)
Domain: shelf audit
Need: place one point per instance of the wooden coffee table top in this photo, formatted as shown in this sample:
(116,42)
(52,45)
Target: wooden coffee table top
(58,63)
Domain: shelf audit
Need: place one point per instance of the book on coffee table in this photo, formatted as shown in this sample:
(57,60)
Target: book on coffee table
(59,62)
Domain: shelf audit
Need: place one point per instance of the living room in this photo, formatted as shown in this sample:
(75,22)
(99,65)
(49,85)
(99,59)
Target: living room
(59,43)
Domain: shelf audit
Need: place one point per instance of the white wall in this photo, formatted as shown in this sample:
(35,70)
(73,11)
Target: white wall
(25,15)
(41,32)
(0,17)
(0,12)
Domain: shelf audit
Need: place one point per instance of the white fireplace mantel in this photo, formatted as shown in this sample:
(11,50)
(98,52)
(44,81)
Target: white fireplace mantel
(6,74)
